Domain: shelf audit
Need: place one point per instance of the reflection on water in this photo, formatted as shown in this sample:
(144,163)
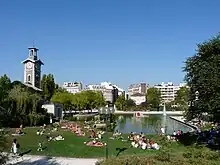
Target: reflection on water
(149,125)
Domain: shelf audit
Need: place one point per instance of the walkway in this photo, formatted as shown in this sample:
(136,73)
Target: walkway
(151,112)
(43,160)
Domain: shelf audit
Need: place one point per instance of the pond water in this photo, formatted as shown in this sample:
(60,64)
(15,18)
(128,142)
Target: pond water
(149,125)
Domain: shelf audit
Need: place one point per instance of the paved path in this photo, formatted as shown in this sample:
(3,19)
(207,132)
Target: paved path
(43,160)
(150,112)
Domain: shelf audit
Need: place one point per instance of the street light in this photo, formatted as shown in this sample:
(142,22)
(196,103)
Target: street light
(106,110)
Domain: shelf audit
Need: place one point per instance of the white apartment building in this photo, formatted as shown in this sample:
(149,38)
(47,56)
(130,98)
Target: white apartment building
(137,88)
(72,87)
(169,90)
(110,92)
(138,98)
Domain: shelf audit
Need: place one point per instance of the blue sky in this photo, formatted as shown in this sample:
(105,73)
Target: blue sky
(120,41)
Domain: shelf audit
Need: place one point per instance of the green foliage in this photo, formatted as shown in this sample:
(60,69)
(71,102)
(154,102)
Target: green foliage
(18,102)
(79,101)
(121,103)
(48,86)
(153,98)
(202,76)
(191,156)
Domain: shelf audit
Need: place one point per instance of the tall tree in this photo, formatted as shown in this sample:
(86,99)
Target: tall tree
(121,103)
(153,98)
(182,99)
(5,86)
(203,77)
(48,86)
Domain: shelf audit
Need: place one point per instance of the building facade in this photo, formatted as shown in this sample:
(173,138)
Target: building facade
(32,69)
(110,92)
(168,91)
(140,88)
(72,87)
(55,109)
(138,98)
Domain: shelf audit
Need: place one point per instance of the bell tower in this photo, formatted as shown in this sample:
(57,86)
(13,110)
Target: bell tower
(32,68)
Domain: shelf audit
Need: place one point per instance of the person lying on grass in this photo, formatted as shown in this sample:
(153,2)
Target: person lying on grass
(57,138)
(95,143)
(18,132)
(79,132)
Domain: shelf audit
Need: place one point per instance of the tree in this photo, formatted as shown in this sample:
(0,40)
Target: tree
(5,86)
(130,103)
(48,86)
(202,75)
(154,98)
(121,103)
(80,101)
(182,99)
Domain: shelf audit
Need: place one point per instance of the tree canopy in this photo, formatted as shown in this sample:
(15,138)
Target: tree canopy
(203,77)
(19,104)
(48,86)
(79,101)
(153,98)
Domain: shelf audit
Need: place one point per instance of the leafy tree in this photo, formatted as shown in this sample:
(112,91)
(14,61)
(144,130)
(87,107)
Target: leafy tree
(79,101)
(64,98)
(130,103)
(48,86)
(121,103)
(154,98)
(203,77)
(5,86)
(181,101)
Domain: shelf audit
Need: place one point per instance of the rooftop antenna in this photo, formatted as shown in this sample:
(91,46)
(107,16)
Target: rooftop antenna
(33,44)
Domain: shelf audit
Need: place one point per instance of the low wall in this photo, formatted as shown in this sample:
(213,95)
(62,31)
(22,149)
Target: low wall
(181,120)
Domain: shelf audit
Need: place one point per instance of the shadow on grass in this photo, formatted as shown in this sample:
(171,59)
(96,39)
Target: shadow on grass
(26,152)
(43,161)
(120,150)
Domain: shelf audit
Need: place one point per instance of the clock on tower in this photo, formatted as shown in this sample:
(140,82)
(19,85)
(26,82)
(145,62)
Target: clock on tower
(32,68)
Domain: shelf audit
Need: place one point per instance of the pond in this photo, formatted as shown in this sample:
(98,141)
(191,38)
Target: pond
(149,125)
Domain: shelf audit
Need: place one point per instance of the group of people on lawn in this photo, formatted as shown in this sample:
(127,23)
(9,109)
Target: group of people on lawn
(137,140)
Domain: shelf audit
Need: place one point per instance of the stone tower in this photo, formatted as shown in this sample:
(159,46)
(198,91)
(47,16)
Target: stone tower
(32,69)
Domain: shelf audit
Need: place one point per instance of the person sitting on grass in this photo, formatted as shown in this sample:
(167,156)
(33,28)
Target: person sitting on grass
(95,143)
(131,136)
(49,138)
(93,135)
(40,132)
(39,147)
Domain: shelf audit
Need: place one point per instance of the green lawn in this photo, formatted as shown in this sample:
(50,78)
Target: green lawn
(73,146)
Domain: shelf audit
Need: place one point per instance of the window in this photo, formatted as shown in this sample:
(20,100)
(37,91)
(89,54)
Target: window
(29,78)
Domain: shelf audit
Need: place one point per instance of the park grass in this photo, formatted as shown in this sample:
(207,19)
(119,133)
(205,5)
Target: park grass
(73,146)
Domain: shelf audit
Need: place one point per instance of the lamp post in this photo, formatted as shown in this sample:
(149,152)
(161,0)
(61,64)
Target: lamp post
(106,110)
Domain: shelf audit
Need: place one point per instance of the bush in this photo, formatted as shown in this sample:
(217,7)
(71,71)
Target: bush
(194,156)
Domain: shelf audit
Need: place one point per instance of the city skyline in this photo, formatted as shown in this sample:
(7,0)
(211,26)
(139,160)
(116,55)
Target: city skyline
(123,43)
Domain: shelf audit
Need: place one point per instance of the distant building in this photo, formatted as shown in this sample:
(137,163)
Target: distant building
(72,87)
(168,91)
(138,98)
(110,92)
(55,109)
(140,88)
